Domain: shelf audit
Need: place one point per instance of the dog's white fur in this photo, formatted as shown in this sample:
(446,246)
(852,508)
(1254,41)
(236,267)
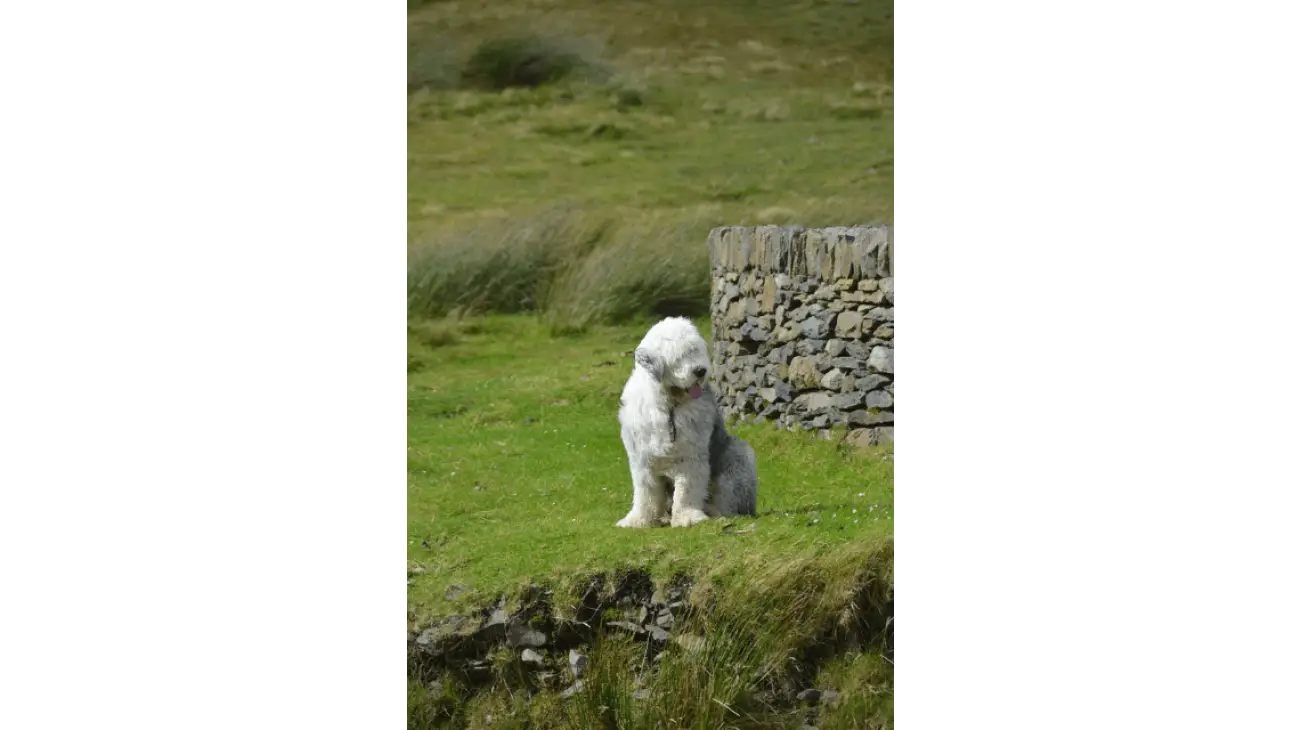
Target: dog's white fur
(675,437)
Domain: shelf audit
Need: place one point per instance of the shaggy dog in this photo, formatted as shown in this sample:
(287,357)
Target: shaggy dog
(675,439)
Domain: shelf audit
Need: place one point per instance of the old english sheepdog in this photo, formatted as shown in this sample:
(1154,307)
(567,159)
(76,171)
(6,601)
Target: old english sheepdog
(675,438)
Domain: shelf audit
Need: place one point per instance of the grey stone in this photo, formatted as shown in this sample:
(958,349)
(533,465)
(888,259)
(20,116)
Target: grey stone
(884,332)
(847,401)
(573,689)
(813,402)
(871,382)
(531,657)
(857,349)
(519,635)
(861,437)
(824,294)
(783,391)
(868,284)
(832,380)
(814,328)
(810,347)
(767,394)
(735,314)
(884,434)
(881,314)
(879,399)
(867,418)
(578,663)
(627,626)
(804,373)
(834,347)
(781,355)
(848,325)
(656,632)
(847,363)
(820,421)
(881,360)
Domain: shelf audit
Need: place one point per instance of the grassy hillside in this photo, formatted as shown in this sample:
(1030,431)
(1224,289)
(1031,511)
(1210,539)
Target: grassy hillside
(649,123)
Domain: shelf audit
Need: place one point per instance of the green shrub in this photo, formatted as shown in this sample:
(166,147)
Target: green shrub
(501,63)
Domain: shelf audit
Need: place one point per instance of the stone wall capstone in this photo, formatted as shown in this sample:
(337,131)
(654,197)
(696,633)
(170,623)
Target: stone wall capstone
(803,327)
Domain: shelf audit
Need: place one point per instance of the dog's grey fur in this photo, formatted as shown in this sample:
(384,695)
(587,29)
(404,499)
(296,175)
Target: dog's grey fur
(677,444)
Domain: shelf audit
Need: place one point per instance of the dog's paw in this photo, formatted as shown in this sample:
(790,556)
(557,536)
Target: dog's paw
(634,520)
(686,517)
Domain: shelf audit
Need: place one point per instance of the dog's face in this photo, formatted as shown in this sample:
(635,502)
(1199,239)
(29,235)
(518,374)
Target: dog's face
(674,353)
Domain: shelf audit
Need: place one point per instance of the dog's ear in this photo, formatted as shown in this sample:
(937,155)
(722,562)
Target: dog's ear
(651,362)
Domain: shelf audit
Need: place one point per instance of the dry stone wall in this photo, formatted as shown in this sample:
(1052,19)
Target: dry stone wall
(803,327)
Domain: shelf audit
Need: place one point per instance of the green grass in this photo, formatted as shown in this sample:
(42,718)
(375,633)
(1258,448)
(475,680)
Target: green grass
(517,472)
(703,114)
(516,476)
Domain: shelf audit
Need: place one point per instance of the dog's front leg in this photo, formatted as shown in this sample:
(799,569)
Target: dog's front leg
(648,501)
(690,491)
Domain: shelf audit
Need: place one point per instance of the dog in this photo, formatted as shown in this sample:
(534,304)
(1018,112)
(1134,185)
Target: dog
(677,445)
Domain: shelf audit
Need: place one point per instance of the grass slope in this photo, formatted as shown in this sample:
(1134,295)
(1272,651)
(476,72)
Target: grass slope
(517,472)
(683,116)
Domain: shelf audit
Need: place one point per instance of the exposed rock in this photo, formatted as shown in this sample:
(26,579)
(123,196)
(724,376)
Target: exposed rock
(578,663)
(871,382)
(572,690)
(804,373)
(627,626)
(881,360)
(528,656)
(519,635)
(879,399)
(848,325)
(832,380)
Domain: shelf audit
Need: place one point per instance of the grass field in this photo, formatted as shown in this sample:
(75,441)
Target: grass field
(589,198)
(517,475)
(566,160)
(517,472)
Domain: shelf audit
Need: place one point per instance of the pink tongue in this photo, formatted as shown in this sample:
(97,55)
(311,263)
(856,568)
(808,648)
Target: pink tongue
(696,392)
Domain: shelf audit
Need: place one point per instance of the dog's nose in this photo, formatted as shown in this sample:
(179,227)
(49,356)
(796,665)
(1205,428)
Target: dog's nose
(701,372)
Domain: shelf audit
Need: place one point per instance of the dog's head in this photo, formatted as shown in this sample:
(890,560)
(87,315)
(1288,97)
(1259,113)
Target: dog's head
(674,353)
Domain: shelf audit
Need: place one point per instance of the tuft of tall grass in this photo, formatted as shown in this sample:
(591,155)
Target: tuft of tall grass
(527,60)
(577,269)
